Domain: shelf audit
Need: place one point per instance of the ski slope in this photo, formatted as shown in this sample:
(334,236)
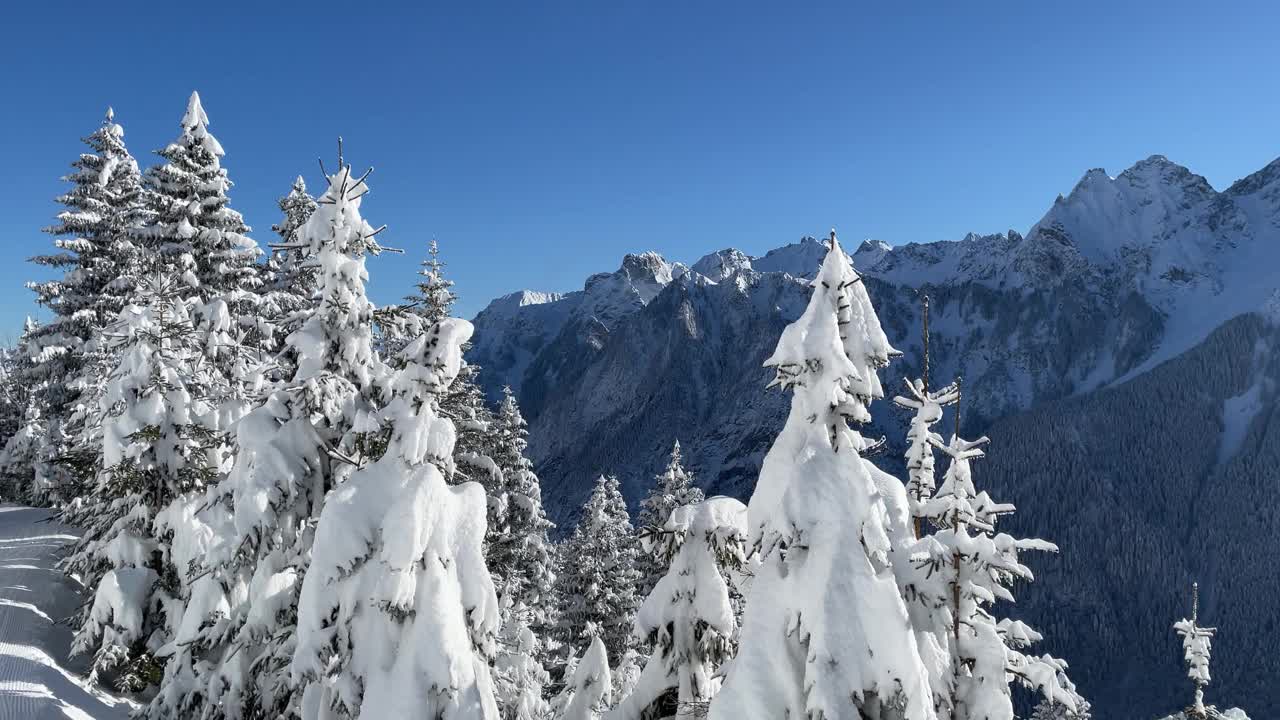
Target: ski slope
(36,681)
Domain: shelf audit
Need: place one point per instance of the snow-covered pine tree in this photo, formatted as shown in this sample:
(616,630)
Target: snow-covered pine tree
(961,570)
(826,633)
(1052,710)
(589,691)
(672,488)
(518,676)
(158,445)
(290,281)
(598,579)
(1197,645)
(398,614)
(100,267)
(688,619)
(434,296)
(927,406)
(303,441)
(518,551)
(24,434)
(193,225)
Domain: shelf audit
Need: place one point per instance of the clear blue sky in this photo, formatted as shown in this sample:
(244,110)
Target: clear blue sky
(539,141)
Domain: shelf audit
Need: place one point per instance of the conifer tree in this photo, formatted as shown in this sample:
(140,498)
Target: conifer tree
(672,488)
(398,614)
(193,226)
(100,267)
(518,550)
(589,691)
(927,406)
(689,618)
(963,568)
(599,576)
(519,677)
(157,446)
(826,633)
(27,429)
(1197,644)
(290,282)
(304,440)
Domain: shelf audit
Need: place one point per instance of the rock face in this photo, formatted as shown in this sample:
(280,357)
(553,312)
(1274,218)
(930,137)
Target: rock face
(1118,277)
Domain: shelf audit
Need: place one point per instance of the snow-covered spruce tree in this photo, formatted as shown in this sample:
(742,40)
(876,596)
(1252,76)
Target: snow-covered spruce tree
(598,579)
(589,691)
(290,280)
(157,446)
(193,225)
(398,614)
(304,440)
(1051,710)
(688,619)
(518,675)
(1197,645)
(961,570)
(518,551)
(826,633)
(927,408)
(672,488)
(100,266)
(25,431)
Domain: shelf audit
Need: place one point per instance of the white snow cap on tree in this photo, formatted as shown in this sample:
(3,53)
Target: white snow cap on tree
(689,615)
(1197,644)
(826,634)
(398,613)
(589,692)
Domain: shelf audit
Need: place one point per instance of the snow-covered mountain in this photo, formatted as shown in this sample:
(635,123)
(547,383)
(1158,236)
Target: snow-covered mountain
(1122,274)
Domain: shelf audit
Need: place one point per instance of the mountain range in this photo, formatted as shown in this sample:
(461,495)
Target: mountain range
(1118,354)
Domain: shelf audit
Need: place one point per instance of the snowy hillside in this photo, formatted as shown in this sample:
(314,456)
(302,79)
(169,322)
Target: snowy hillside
(1119,276)
(36,597)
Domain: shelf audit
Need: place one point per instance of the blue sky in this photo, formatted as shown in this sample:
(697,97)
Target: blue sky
(540,141)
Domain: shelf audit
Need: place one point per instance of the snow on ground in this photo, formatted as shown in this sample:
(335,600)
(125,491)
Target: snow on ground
(36,682)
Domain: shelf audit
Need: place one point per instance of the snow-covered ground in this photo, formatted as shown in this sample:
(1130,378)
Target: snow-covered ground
(36,682)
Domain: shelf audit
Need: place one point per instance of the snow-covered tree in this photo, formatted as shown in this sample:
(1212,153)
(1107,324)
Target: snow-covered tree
(193,227)
(305,439)
(826,633)
(100,267)
(927,407)
(25,426)
(158,446)
(518,675)
(1052,710)
(1197,645)
(517,550)
(599,576)
(398,614)
(589,691)
(672,488)
(290,280)
(961,570)
(688,619)
(433,297)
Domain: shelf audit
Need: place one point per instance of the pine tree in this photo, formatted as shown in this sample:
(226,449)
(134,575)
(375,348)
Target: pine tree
(290,281)
(599,578)
(24,424)
(518,550)
(689,617)
(589,692)
(519,677)
(100,267)
(398,614)
(157,446)
(434,296)
(193,227)
(304,440)
(1052,710)
(963,568)
(672,488)
(826,633)
(920,437)
(1197,644)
